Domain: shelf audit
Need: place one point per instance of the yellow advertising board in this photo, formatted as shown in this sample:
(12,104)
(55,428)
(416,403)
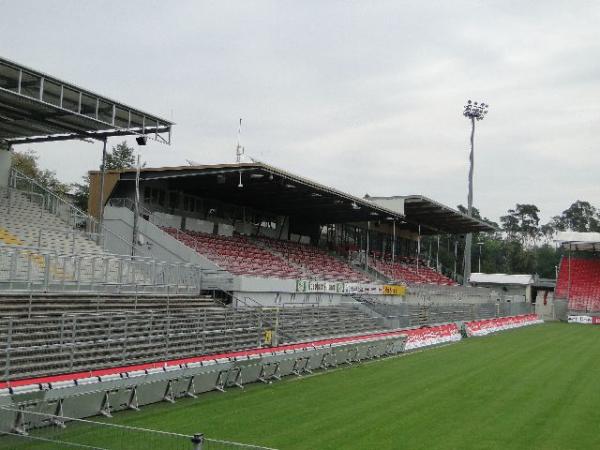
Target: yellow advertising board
(268,337)
(394,289)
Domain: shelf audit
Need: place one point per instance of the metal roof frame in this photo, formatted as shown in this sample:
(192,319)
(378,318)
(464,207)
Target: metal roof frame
(271,189)
(437,217)
(274,190)
(37,107)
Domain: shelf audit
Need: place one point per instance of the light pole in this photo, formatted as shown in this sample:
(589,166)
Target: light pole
(473,112)
(480,245)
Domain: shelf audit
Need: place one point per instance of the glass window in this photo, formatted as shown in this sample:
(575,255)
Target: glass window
(51,92)
(9,78)
(30,85)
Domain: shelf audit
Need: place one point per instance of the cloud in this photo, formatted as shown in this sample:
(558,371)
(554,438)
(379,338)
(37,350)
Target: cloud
(366,97)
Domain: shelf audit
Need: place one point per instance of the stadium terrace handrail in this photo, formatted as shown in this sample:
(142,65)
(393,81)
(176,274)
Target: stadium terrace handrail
(257,309)
(9,189)
(34,270)
(121,202)
(53,203)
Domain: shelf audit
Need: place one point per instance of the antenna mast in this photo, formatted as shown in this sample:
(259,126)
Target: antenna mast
(239,150)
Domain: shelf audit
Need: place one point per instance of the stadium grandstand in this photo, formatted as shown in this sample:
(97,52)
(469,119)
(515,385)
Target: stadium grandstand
(185,280)
(578,280)
(256,220)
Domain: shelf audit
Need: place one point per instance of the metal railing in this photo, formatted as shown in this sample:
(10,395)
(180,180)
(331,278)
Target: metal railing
(71,342)
(74,218)
(120,202)
(262,314)
(54,204)
(54,340)
(32,429)
(24,268)
(408,315)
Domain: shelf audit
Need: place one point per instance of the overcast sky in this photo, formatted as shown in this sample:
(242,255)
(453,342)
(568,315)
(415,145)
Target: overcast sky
(363,96)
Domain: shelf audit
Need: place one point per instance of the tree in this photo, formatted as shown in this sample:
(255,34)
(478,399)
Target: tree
(81,193)
(121,157)
(580,216)
(523,222)
(477,215)
(27,163)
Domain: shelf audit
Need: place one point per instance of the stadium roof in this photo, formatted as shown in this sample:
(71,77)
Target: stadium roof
(268,188)
(271,189)
(433,215)
(36,107)
(579,241)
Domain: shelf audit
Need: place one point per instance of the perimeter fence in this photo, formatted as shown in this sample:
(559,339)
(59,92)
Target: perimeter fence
(29,430)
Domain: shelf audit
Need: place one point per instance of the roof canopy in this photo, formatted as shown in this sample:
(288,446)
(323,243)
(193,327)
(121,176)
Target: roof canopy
(267,188)
(579,241)
(433,216)
(35,107)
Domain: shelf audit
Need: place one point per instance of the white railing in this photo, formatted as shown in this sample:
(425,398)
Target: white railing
(31,269)
(75,219)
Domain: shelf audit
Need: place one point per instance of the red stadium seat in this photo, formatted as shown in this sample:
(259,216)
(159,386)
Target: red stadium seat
(584,280)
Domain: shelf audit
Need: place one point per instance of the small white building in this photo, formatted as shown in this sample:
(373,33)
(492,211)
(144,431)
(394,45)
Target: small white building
(515,288)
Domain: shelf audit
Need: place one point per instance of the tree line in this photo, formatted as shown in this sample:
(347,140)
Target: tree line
(121,156)
(521,244)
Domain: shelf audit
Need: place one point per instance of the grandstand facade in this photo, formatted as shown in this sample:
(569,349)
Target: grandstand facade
(279,235)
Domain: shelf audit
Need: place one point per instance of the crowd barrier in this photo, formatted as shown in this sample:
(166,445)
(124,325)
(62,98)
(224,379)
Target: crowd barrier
(424,337)
(103,391)
(485,327)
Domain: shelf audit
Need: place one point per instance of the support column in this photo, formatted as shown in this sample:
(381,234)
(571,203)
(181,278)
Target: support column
(419,250)
(367,246)
(5,164)
(102,176)
(393,241)
(437,255)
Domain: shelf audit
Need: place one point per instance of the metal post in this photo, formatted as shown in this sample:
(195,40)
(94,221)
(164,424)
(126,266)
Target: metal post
(418,249)
(8,348)
(569,281)
(102,176)
(198,441)
(469,237)
(136,212)
(367,246)
(393,240)
(455,258)
(437,255)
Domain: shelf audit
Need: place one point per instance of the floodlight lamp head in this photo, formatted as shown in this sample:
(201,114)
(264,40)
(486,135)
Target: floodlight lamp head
(475,111)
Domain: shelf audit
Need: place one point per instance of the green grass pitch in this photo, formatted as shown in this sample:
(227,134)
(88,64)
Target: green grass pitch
(532,388)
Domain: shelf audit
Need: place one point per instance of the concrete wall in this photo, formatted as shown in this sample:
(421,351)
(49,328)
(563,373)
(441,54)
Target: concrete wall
(157,244)
(450,294)
(5,164)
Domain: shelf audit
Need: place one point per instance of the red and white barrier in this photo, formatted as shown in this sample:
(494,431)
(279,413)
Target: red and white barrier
(424,337)
(484,327)
(588,320)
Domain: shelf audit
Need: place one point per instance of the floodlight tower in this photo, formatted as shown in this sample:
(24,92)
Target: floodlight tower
(473,112)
